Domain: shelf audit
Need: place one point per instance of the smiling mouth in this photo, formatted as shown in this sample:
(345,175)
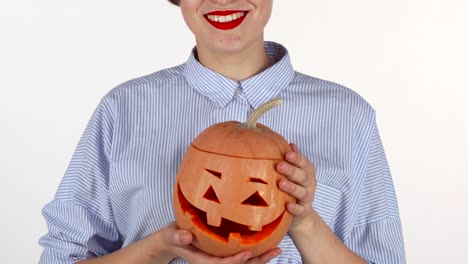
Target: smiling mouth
(226,20)
(227,230)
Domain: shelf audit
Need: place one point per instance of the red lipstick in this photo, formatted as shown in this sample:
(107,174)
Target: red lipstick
(224,25)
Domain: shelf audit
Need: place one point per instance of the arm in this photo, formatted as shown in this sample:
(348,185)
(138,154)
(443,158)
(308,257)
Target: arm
(167,244)
(80,219)
(376,232)
(136,253)
(318,244)
(313,238)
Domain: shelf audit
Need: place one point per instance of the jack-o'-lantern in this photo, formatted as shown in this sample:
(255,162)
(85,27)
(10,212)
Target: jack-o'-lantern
(226,191)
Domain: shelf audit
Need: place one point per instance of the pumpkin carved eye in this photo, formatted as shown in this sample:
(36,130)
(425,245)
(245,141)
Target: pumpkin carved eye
(214,173)
(252,179)
(211,195)
(255,200)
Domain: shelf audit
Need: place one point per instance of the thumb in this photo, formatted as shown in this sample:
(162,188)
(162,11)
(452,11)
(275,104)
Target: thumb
(177,237)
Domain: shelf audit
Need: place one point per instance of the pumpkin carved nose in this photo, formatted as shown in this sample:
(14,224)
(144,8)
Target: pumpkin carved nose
(255,200)
(211,195)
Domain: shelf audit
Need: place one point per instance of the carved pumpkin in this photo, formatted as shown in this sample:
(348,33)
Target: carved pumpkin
(226,191)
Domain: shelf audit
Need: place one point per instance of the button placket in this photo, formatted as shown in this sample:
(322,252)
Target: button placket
(239,90)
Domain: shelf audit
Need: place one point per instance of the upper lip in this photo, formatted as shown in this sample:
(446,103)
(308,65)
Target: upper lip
(224,12)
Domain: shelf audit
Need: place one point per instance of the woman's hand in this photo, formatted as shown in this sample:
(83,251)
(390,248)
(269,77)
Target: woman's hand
(175,242)
(315,241)
(300,184)
(169,243)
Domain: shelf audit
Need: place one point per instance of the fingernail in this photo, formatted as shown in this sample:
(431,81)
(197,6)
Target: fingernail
(291,206)
(292,156)
(283,167)
(246,256)
(274,254)
(284,184)
(183,237)
(295,148)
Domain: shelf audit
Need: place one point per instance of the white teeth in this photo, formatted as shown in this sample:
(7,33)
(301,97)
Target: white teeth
(228,18)
(213,18)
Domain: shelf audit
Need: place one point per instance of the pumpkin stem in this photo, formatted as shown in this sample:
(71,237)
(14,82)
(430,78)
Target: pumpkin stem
(257,113)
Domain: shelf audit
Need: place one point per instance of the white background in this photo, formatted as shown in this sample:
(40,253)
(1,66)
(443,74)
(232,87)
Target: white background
(408,58)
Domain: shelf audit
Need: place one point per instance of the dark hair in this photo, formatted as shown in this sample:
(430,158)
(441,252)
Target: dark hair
(174,2)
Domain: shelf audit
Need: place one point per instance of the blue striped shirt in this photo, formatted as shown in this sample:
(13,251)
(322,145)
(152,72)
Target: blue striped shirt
(118,186)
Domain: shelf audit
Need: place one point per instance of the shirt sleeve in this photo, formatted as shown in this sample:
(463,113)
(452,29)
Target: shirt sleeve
(80,219)
(377,233)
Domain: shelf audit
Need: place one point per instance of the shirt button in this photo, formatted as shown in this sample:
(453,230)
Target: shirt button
(238,91)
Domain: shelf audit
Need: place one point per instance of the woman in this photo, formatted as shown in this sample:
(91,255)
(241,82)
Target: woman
(114,203)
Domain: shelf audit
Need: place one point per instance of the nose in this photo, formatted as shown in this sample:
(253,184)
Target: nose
(223,2)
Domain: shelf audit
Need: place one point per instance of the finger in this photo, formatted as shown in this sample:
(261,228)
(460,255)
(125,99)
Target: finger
(295,148)
(297,209)
(177,237)
(298,160)
(299,192)
(184,237)
(194,255)
(293,173)
(266,257)
(240,258)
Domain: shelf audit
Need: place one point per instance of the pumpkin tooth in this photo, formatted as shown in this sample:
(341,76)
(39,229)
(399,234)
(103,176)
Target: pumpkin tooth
(213,218)
(189,215)
(256,227)
(234,239)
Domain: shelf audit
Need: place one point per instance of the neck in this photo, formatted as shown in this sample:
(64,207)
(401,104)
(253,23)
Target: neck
(234,65)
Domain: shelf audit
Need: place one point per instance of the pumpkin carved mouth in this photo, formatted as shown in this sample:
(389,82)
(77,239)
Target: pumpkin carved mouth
(228,230)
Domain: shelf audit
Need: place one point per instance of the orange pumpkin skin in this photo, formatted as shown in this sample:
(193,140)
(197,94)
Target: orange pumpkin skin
(226,191)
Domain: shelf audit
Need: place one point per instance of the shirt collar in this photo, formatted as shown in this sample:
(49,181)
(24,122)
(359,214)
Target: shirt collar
(257,89)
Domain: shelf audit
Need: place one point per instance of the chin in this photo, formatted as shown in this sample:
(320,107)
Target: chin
(233,45)
(228,42)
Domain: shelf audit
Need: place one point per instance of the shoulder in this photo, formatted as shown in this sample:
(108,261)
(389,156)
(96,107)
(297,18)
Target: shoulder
(148,83)
(331,94)
(152,93)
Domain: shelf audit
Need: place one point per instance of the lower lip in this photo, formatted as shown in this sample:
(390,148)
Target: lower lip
(227,25)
